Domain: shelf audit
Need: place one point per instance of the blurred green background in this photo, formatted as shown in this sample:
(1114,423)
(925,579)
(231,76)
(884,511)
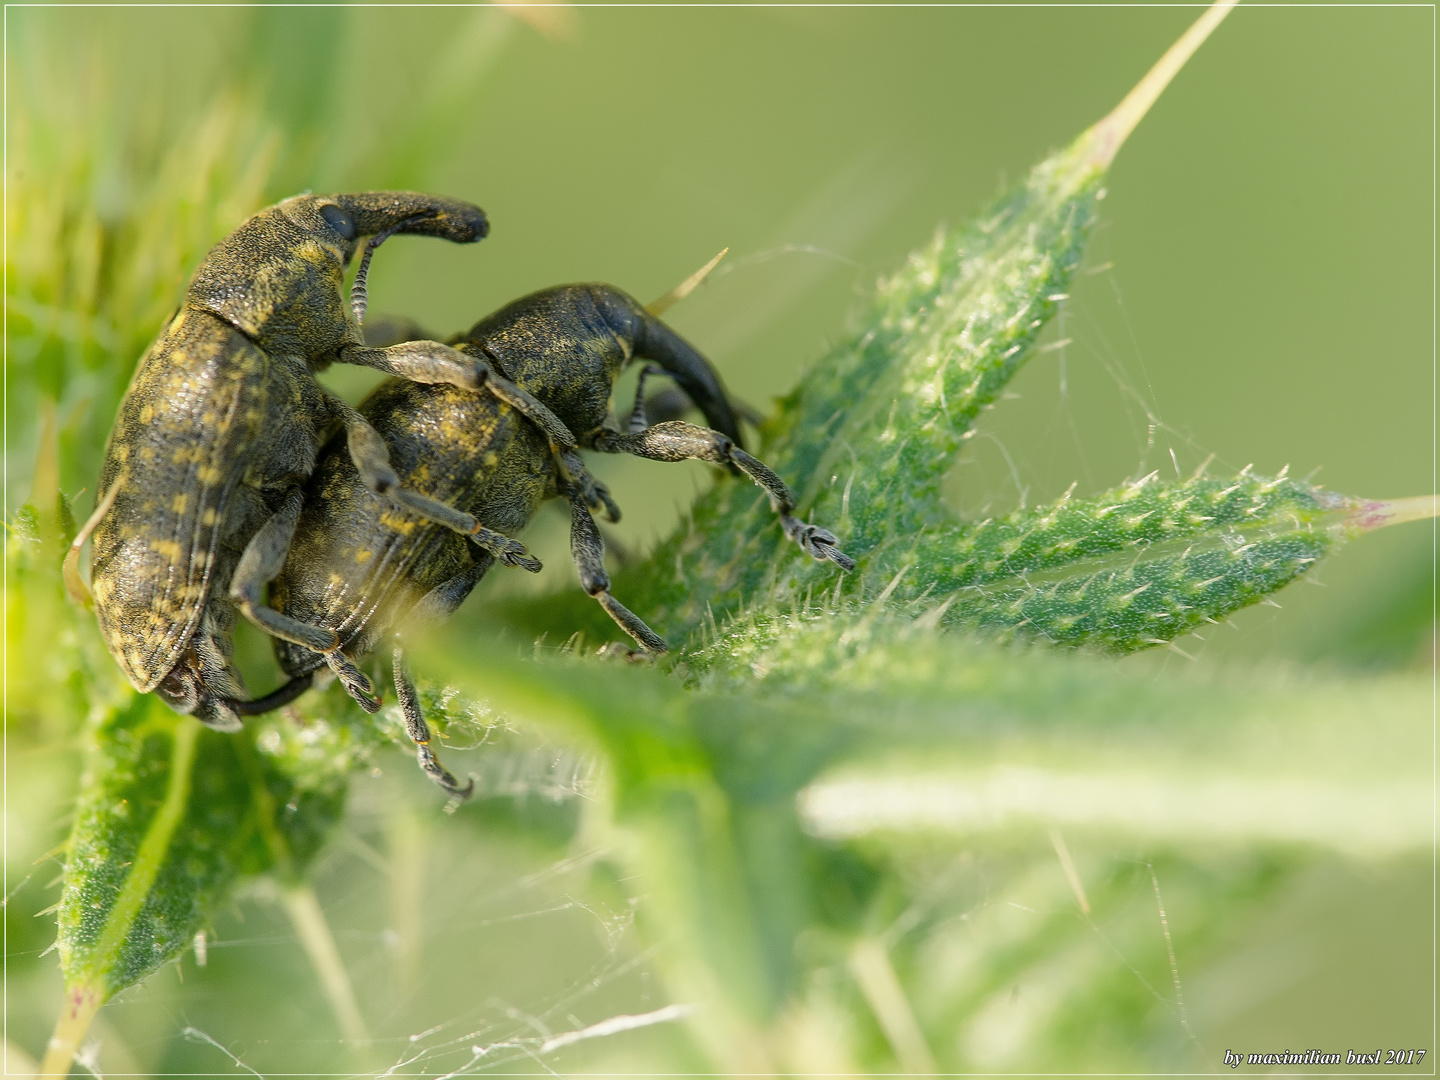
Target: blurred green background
(1261,289)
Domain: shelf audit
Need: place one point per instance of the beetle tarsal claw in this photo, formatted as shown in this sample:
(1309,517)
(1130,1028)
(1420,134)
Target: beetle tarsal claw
(354,680)
(820,544)
(524,560)
(618,650)
(510,552)
(441,775)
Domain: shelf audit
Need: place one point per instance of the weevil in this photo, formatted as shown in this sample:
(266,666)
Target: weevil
(223,423)
(366,572)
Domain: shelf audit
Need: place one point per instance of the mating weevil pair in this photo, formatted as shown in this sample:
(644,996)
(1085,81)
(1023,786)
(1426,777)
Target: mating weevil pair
(215,483)
(366,572)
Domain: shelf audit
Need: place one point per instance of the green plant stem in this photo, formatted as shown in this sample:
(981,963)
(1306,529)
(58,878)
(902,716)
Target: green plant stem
(81,1005)
(310,924)
(406,842)
(875,975)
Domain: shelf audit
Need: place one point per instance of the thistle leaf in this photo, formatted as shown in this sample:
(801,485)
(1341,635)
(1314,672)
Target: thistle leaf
(801,731)
(1135,567)
(871,431)
(869,434)
(867,438)
(169,815)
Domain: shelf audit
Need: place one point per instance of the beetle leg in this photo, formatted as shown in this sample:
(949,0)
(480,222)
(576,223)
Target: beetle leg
(510,552)
(419,732)
(656,341)
(261,563)
(383,330)
(679,441)
(576,477)
(419,361)
(562,441)
(372,458)
(637,422)
(668,403)
(354,680)
(588,551)
(530,407)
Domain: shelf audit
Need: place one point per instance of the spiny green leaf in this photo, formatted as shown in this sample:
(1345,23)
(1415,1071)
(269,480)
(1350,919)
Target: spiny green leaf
(867,438)
(1135,567)
(871,714)
(870,433)
(170,814)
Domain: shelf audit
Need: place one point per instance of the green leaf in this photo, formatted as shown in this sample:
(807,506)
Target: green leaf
(1135,567)
(806,731)
(869,435)
(170,814)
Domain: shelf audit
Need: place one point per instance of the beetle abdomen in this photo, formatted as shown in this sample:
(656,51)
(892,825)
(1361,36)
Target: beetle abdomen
(358,563)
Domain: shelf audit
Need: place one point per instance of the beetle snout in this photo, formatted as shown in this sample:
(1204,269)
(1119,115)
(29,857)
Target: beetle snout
(415,213)
(465,225)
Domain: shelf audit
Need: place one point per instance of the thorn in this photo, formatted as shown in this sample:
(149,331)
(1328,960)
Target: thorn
(931,619)
(879,601)
(74,583)
(1368,514)
(1103,141)
(1071,874)
(685,288)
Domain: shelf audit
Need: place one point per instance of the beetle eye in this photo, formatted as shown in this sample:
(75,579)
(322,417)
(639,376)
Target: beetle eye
(339,220)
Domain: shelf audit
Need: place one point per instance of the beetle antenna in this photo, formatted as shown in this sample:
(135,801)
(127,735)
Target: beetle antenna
(638,421)
(359,295)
